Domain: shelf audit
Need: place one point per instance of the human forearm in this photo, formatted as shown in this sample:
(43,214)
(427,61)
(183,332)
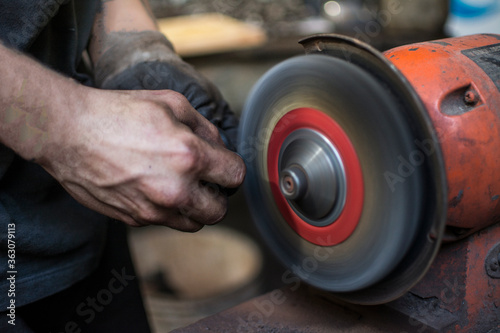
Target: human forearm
(125,34)
(34,104)
(119,16)
(139,157)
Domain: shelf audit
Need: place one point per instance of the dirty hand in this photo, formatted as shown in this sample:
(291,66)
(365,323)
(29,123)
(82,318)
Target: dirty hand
(144,157)
(148,61)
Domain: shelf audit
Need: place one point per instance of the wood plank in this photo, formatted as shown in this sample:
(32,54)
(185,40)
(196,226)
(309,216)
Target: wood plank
(210,33)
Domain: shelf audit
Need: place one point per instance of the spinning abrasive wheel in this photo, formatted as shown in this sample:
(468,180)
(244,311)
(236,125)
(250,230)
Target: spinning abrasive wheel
(338,180)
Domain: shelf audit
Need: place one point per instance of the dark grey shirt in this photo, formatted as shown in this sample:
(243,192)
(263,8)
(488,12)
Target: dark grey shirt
(57,240)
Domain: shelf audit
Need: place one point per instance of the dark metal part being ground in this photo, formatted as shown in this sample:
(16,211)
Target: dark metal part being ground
(492,262)
(297,309)
(454,296)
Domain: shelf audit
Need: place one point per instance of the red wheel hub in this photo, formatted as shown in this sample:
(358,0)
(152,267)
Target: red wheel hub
(339,229)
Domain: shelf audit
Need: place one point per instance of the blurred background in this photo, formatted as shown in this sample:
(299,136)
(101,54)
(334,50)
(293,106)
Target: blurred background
(186,277)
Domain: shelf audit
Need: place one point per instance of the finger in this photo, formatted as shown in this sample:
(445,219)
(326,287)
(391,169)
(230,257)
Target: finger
(182,223)
(221,166)
(89,200)
(157,215)
(198,124)
(205,204)
(183,204)
(153,210)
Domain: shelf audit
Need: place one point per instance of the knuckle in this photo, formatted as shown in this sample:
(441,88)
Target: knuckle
(152,193)
(176,100)
(190,157)
(190,163)
(149,215)
(173,197)
(213,132)
(149,106)
(180,199)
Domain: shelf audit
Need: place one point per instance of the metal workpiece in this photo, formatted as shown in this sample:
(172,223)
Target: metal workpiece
(454,296)
(300,308)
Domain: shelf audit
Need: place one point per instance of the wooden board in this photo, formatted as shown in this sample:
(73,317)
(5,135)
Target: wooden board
(210,33)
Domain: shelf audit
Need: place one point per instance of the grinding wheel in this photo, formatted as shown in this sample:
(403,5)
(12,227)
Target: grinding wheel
(333,182)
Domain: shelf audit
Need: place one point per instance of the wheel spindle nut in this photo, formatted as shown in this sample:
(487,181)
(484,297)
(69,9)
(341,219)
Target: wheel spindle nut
(293,183)
(288,184)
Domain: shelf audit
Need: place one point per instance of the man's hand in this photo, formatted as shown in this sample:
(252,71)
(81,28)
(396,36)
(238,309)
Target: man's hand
(144,157)
(129,53)
(146,60)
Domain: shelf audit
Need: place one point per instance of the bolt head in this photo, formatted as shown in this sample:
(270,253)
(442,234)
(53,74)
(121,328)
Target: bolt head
(471,97)
(494,264)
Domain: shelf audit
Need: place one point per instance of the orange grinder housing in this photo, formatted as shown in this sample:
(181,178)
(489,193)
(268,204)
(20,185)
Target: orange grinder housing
(458,81)
(439,99)
(456,85)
